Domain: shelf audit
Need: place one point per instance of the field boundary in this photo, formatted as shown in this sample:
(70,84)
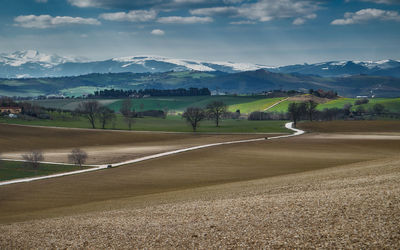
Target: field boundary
(288,125)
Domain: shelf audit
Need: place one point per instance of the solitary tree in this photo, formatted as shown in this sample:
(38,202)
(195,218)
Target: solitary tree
(216,110)
(90,109)
(378,108)
(33,158)
(78,157)
(193,116)
(297,110)
(105,116)
(311,107)
(347,109)
(127,112)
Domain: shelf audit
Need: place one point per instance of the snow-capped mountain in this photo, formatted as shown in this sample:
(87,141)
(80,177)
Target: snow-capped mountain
(31,63)
(19,58)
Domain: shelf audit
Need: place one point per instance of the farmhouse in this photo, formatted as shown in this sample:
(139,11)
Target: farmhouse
(10,110)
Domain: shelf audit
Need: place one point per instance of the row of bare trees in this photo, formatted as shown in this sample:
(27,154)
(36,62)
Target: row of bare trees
(93,111)
(213,111)
(34,158)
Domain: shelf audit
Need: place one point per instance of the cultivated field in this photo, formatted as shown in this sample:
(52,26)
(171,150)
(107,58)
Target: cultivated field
(307,191)
(101,146)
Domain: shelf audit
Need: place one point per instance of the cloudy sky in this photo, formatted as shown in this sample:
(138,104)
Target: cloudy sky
(271,32)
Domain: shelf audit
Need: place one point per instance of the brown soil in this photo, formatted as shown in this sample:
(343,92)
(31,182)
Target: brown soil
(101,146)
(350,126)
(352,206)
(209,166)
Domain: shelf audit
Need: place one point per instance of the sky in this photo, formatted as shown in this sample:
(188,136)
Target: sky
(268,32)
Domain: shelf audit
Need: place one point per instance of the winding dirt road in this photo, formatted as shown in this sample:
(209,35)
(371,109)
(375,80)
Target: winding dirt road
(288,125)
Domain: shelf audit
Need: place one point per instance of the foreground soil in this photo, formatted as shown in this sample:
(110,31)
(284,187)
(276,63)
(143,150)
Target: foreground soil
(319,190)
(205,167)
(351,206)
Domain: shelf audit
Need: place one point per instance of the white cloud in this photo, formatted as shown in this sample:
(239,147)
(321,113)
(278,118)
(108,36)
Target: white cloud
(302,20)
(383,1)
(214,11)
(242,22)
(266,10)
(47,21)
(131,16)
(158,32)
(41,1)
(84,3)
(140,4)
(184,20)
(299,21)
(365,15)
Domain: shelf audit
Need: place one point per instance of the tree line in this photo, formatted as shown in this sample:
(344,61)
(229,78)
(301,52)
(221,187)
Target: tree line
(307,110)
(120,93)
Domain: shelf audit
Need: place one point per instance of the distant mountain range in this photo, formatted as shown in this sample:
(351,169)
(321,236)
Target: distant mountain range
(241,82)
(31,63)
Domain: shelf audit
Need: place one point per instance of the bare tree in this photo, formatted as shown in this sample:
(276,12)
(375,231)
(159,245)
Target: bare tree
(193,116)
(33,158)
(90,109)
(105,116)
(311,107)
(128,113)
(216,110)
(296,110)
(78,157)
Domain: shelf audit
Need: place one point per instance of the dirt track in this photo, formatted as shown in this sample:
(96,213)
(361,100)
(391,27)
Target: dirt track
(101,146)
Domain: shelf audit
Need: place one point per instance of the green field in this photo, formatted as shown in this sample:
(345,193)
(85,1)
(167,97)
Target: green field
(170,124)
(13,170)
(390,104)
(246,104)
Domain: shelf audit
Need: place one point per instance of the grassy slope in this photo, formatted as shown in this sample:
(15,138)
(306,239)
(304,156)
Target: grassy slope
(246,104)
(172,124)
(391,104)
(14,170)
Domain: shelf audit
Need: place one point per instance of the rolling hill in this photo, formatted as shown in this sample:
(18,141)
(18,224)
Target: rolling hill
(239,83)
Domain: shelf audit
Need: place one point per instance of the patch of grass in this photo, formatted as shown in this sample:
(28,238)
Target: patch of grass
(252,106)
(14,170)
(337,103)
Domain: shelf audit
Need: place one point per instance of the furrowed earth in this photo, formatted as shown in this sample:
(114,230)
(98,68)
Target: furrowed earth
(318,190)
